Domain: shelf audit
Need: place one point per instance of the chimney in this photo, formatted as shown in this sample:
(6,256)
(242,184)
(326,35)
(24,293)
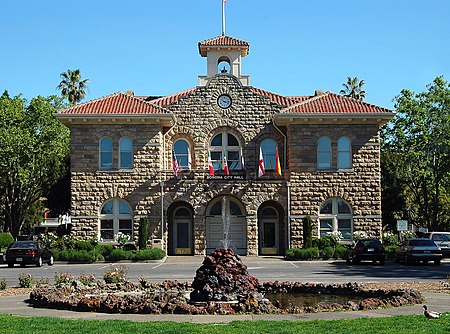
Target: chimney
(319,92)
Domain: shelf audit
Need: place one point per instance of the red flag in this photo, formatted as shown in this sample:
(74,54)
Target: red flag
(278,165)
(175,165)
(210,165)
(225,164)
(261,170)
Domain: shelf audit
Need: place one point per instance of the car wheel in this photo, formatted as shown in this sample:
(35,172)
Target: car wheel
(437,262)
(10,265)
(39,262)
(51,260)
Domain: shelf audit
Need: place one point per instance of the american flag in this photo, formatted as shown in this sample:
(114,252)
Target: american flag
(175,165)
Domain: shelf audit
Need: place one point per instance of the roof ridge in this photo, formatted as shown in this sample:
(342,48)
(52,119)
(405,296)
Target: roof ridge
(311,99)
(162,98)
(358,101)
(89,102)
(223,37)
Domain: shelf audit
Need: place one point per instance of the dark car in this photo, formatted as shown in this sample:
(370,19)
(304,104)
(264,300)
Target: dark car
(27,252)
(418,250)
(367,249)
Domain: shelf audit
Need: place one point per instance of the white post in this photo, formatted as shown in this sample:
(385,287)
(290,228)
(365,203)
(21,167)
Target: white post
(223,17)
(162,215)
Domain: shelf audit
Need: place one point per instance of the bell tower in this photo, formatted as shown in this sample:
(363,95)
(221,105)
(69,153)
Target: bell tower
(224,55)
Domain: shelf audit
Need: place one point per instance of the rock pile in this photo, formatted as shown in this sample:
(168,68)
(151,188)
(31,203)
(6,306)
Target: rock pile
(223,277)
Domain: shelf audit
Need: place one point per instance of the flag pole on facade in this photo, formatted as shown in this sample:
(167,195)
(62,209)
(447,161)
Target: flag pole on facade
(242,160)
(175,164)
(223,17)
(225,163)
(261,170)
(210,165)
(278,165)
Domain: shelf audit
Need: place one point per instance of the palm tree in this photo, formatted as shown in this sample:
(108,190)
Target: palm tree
(353,89)
(72,87)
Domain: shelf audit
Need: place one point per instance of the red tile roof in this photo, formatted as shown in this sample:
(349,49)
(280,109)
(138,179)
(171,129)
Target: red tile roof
(333,103)
(225,41)
(283,100)
(169,99)
(115,104)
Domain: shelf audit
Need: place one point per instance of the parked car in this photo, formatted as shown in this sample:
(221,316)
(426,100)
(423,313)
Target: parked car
(27,252)
(367,249)
(418,249)
(442,239)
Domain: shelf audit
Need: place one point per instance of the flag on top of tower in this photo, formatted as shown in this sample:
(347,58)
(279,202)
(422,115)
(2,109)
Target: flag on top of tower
(261,170)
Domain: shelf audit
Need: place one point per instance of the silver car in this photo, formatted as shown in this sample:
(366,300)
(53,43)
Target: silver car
(418,250)
(442,239)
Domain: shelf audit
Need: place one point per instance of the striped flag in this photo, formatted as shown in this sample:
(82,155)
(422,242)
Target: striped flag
(210,164)
(278,165)
(189,159)
(175,165)
(242,160)
(261,170)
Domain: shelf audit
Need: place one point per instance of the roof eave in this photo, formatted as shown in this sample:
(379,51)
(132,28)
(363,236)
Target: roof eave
(286,118)
(162,119)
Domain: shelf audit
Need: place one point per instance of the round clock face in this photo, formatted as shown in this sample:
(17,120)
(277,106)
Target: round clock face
(224,101)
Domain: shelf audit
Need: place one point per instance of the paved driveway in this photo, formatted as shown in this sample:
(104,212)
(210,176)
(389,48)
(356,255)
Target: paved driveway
(263,268)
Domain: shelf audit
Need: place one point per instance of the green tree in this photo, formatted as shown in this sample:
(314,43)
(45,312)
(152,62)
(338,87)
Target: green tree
(419,136)
(353,89)
(34,147)
(72,87)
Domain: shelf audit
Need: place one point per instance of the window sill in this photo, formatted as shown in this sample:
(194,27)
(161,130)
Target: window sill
(122,170)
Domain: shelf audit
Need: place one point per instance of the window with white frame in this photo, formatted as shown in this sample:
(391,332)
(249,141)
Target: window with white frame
(225,143)
(269,148)
(182,154)
(344,153)
(336,215)
(105,153)
(126,153)
(115,216)
(324,153)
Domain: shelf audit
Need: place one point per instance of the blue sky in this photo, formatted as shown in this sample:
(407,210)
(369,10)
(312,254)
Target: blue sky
(296,46)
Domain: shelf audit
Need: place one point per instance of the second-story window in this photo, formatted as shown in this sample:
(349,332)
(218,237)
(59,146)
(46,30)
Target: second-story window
(182,154)
(126,153)
(269,148)
(344,153)
(324,153)
(225,144)
(105,153)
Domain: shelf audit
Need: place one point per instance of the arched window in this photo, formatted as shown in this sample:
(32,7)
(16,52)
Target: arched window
(182,154)
(126,153)
(115,216)
(225,144)
(269,148)
(335,215)
(344,153)
(324,153)
(105,147)
(223,65)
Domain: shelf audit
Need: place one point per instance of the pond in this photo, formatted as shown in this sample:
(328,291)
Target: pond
(284,300)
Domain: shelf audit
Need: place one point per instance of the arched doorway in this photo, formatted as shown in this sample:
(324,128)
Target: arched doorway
(180,230)
(226,225)
(271,230)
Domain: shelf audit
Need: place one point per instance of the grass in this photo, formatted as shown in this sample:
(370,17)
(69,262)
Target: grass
(402,324)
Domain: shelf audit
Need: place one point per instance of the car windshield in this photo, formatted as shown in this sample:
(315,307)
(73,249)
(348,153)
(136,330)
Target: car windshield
(369,243)
(424,242)
(24,244)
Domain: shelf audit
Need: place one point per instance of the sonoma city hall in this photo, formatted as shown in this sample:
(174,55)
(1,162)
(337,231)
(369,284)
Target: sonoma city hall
(225,152)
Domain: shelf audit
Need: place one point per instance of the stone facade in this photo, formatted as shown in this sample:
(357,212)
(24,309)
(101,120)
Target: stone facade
(151,189)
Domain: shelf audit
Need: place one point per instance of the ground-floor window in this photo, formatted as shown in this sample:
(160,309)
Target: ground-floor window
(335,215)
(115,216)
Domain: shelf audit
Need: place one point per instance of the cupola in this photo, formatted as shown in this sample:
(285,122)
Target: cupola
(223,55)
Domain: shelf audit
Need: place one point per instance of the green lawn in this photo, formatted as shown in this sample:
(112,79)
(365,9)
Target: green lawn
(403,324)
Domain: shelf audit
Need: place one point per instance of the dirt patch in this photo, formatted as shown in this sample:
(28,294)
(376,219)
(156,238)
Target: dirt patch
(434,287)
(15,291)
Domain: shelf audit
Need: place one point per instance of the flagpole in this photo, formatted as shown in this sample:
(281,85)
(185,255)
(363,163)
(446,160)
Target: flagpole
(223,17)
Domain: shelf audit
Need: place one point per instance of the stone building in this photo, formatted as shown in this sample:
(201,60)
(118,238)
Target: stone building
(144,156)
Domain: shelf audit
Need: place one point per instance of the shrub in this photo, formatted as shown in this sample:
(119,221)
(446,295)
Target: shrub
(104,249)
(340,252)
(149,254)
(3,284)
(63,278)
(389,239)
(26,281)
(75,255)
(5,239)
(321,243)
(390,251)
(143,233)
(307,232)
(116,274)
(87,279)
(118,254)
(311,253)
(129,247)
(84,245)
(327,252)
